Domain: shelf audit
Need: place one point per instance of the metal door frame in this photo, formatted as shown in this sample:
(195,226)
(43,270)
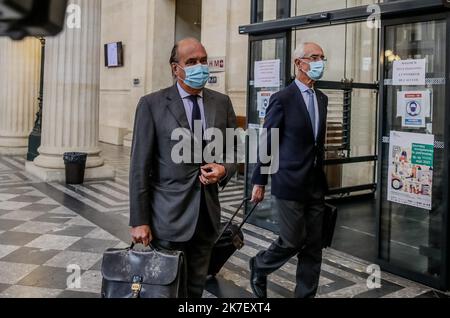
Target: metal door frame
(287,71)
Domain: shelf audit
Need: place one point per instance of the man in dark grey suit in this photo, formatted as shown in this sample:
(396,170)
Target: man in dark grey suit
(299,186)
(173,205)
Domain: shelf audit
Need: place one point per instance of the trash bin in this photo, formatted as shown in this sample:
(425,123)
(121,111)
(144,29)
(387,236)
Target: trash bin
(75,163)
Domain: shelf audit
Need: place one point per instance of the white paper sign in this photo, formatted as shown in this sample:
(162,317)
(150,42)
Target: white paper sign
(367,64)
(411,160)
(409,72)
(267,73)
(414,107)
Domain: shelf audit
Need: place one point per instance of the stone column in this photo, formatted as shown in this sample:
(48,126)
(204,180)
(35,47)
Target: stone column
(71,98)
(19,90)
(152,42)
(215,35)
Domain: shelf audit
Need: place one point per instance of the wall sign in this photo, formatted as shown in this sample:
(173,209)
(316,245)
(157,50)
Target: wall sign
(216,64)
(212,80)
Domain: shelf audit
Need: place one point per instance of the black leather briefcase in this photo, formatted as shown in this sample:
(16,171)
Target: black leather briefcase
(329,225)
(129,273)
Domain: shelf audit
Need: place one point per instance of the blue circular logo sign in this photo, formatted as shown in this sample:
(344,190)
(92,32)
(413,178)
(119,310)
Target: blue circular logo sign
(413,108)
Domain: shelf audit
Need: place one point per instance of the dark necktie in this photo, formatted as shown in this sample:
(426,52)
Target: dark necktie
(196,113)
(197,117)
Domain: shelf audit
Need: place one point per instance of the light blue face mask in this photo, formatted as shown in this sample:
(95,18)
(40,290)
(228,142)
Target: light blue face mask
(196,76)
(317,69)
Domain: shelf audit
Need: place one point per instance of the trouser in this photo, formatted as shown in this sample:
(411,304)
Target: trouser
(197,252)
(300,235)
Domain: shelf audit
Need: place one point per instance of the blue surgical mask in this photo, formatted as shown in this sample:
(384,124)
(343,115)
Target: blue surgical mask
(317,69)
(196,76)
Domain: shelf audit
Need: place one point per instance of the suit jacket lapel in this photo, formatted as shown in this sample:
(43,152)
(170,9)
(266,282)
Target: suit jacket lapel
(210,109)
(322,112)
(176,107)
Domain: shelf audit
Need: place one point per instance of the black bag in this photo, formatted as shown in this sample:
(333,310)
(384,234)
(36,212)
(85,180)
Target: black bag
(230,240)
(128,273)
(329,225)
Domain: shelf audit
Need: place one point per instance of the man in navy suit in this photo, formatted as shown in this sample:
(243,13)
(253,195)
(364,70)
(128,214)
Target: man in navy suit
(299,186)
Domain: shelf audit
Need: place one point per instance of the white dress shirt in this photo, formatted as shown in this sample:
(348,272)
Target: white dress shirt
(189,106)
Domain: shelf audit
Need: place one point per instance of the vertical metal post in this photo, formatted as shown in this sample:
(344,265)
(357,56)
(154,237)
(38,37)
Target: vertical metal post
(34,141)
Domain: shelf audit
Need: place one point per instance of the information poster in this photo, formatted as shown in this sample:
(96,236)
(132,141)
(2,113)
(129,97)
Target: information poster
(409,72)
(263,103)
(267,73)
(411,159)
(414,108)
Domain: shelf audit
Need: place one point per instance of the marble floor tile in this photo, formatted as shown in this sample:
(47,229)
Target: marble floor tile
(11,273)
(17,291)
(53,242)
(84,260)
(28,255)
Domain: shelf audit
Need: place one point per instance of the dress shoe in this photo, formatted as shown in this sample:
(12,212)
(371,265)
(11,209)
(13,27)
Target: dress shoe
(257,282)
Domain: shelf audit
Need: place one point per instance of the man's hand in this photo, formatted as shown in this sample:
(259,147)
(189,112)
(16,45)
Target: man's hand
(142,234)
(212,173)
(258,193)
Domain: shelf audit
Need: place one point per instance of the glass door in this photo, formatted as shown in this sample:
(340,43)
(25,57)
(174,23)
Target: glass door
(269,72)
(413,192)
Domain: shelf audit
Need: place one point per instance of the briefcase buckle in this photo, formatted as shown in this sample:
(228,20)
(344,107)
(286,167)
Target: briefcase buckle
(136,287)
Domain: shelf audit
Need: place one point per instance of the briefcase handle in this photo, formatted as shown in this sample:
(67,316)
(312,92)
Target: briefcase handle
(249,214)
(132,245)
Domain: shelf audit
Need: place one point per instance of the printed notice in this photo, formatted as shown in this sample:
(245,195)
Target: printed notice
(414,107)
(411,160)
(267,73)
(263,103)
(409,72)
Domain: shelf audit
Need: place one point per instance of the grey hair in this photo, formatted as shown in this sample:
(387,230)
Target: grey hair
(300,50)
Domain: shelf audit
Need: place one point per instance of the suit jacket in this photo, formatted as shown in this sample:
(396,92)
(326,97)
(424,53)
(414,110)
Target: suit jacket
(300,154)
(163,194)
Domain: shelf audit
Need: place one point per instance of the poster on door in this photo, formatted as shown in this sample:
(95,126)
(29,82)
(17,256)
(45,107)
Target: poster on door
(409,72)
(411,159)
(414,107)
(263,102)
(267,73)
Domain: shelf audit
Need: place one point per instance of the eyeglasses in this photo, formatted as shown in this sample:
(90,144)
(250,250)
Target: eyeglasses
(315,58)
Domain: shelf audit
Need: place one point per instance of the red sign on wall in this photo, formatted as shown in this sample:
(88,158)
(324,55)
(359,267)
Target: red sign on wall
(216,64)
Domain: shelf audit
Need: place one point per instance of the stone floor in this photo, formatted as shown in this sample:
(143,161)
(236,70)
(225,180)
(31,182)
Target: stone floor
(50,231)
